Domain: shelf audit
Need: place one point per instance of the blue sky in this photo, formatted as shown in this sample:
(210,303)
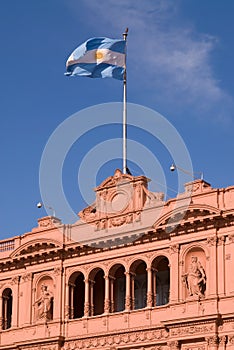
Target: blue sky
(180,63)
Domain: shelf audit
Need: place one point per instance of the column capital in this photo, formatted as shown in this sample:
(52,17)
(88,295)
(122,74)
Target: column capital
(214,340)
(173,344)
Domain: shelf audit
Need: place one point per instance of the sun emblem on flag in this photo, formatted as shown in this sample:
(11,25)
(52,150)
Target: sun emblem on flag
(99,55)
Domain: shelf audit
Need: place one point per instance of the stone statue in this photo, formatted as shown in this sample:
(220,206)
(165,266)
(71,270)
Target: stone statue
(44,307)
(195,278)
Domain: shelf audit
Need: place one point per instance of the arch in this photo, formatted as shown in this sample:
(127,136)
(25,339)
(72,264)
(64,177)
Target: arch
(97,291)
(71,271)
(76,295)
(117,287)
(139,284)
(7,300)
(35,245)
(161,280)
(202,208)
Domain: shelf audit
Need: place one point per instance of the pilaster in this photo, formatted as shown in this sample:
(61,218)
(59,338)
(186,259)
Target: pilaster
(15,300)
(57,293)
(174,273)
(212,277)
(221,265)
(229,264)
(25,313)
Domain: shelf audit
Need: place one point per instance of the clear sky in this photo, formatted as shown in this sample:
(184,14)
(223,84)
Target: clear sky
(180,63)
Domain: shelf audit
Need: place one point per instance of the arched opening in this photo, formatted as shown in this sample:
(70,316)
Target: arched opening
(161,284)
(98,293)
(118,288)
(139,277)
(6,308)
(76,295)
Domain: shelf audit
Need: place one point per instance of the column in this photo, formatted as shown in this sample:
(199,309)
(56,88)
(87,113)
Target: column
(1,308)
(67,306)
(149,287)
(107,295)
(112,301)
(154,271)
(86,304)
(132,276)
(71,288)
(174,273)
(128,291)
(91,297)
(4,312)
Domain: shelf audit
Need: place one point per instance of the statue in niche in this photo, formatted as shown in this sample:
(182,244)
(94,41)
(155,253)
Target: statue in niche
(44,304)
(195,278)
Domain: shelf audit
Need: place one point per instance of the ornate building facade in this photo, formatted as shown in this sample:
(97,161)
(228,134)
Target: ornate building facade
(135,272)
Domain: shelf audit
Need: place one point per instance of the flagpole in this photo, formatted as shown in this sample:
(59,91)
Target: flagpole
(125,34)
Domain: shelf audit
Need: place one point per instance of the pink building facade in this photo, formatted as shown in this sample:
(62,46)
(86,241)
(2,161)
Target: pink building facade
(134,272)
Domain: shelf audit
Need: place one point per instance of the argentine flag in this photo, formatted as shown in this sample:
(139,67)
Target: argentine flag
(98,58)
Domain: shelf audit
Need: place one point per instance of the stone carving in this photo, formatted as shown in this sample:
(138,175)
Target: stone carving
(191,330)
(214,340)
(174,248)
(195,278)
(15,280)
(27,277)
(211,241)
(44,307)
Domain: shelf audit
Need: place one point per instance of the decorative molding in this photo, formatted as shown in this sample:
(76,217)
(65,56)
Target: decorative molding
(174,248)
(231,339)
(27,277)
(191,330)
(173,345)
(221,240)
(223,339)
(211,241)
(119,340)
(15,280)
(214,340)
(231,238)
(57,271)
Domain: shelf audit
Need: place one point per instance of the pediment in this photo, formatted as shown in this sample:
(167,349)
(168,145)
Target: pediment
(120,200)
(183,214)
(36,245)
(114,180)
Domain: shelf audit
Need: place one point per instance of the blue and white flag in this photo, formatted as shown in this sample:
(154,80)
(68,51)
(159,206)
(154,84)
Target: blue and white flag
(98,58)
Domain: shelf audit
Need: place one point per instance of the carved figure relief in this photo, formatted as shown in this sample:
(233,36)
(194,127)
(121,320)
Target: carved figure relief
(44,304)
(195,278)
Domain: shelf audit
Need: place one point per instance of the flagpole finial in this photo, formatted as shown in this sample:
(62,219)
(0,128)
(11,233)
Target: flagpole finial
(125,34)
